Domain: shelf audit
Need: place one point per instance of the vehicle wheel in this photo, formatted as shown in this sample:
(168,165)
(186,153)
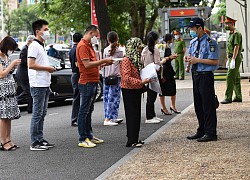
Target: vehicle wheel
(99,92)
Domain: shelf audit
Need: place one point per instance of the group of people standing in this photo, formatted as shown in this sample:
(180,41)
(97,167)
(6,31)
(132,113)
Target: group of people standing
(121,75)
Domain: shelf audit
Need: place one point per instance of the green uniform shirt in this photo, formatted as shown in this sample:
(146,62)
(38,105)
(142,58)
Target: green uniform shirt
(233,40)
(179,45)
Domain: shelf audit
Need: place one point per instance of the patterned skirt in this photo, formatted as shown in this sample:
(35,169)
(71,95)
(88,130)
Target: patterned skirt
(8,103)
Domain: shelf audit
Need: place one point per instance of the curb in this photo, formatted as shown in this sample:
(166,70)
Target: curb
(151,138)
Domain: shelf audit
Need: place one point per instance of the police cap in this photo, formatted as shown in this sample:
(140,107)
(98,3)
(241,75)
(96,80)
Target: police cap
(230,20)
(177,32)
(196,22)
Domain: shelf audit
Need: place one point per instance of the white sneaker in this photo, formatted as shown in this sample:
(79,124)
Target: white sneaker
(157,118)
(119,120)
(152,121)
(110,123)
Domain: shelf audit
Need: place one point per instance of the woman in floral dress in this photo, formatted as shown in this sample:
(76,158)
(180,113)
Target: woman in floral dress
(8,104)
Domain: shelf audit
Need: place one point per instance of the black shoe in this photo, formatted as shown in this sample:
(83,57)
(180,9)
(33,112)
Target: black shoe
(181,79)
(226,101)
(237,100)
(176,112)
(74,124)
(47,144)
(196,136)
(135,145)
(207,138)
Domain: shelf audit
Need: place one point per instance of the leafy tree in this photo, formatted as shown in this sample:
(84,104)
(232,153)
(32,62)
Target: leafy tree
(22,19)
(65,16)
(222,12)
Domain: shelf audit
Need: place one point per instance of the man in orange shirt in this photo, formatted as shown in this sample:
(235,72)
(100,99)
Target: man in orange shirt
(87,85)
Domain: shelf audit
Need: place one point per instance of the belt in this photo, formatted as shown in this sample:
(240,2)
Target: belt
(201,72)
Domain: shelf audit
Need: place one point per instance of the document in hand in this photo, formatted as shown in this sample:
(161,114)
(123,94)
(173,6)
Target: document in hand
(150,72)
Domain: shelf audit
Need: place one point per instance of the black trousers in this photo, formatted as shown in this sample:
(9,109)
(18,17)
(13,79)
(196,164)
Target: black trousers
(150,105)
(204,102)
(132,106)
(23,80)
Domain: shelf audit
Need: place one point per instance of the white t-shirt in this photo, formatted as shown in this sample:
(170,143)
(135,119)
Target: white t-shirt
(38,78)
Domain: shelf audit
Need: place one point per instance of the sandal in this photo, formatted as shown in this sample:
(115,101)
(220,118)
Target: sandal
(12,148)
(137,145)
(141,142)
(16,146)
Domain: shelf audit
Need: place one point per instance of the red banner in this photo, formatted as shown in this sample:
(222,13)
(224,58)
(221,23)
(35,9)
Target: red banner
(183,12)
(93,14)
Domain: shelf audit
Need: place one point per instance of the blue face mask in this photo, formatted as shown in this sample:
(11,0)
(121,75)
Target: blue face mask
(193,34)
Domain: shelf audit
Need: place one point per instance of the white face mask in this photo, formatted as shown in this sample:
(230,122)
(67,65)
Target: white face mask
(46,35)
(94,40)
(176,36)
(9,53)
(170,44)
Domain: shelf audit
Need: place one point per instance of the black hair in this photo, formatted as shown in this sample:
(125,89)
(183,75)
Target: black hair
(8,44)
(77,37)
(113,39)
(151,38)
(168,37)
(91,28)
(38,24)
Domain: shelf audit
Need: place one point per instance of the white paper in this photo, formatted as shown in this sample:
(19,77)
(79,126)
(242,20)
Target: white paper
(117,59)
(149,72)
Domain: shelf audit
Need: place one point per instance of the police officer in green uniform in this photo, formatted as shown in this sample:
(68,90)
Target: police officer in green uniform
(179,49)
(234,49)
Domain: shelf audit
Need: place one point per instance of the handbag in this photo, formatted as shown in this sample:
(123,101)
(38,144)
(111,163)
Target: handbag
(111,80)
(216,102)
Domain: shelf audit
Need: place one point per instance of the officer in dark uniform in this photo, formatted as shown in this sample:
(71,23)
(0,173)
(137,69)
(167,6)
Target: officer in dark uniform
(22,75)
(203,55)
(234,49)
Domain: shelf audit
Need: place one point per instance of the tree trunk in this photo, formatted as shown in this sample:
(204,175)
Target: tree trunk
(134,23)
(142,21)
(103,21)
(152,21)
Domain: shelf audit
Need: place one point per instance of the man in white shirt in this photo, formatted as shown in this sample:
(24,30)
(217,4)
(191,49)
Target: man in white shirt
(39,79)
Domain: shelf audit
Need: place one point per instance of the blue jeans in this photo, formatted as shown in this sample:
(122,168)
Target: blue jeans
(87,99)
(40,97)
(76,97)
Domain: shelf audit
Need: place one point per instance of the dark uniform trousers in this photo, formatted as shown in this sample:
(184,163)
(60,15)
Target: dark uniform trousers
(132,107)
(204,102)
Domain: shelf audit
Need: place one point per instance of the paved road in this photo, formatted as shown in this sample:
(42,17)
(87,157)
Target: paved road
(67,160)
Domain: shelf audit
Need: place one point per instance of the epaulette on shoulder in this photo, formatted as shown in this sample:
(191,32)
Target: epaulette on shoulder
(209,40)
(193,40)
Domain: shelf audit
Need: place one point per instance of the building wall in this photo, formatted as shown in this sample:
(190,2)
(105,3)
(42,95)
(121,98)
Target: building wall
(233,9)
(13,4)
